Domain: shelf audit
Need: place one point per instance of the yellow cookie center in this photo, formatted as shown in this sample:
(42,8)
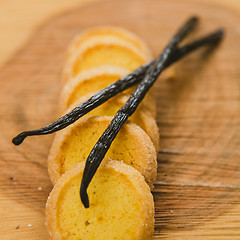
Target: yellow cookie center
(108,34)
(108,55)
(113,212)
(129,146)
(111,107)
(93,84)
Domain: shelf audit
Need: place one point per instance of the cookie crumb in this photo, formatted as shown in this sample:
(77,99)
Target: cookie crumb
(17,227)
(39,188)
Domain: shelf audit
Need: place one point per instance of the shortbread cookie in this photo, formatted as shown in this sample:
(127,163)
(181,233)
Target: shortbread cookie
(121,205)
(73,144)
(94,80)
(141,116)
(107,32)
(96,52)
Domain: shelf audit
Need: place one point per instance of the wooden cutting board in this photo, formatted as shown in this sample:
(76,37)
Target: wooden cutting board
(197,192)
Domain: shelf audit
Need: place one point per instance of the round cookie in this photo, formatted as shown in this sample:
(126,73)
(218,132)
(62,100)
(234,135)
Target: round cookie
(121,205)
(94,80)
(104,32)
(142,116)
(73,144)
(95,53)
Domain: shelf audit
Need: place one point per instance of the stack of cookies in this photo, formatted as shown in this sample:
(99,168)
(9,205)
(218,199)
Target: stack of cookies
(121,204)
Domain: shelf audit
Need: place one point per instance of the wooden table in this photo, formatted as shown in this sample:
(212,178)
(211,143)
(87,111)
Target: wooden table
(190,206)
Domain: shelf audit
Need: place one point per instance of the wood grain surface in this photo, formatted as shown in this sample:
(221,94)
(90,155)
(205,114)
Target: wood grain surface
(197,192)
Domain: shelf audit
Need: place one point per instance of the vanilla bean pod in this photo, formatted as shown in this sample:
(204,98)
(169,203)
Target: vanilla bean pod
(115,88)
(103,144)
